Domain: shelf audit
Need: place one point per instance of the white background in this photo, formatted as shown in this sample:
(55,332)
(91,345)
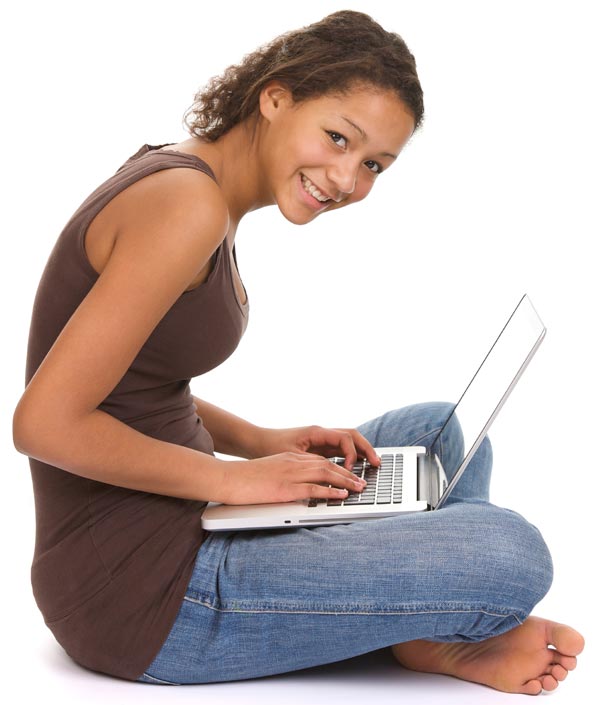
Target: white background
(392,302)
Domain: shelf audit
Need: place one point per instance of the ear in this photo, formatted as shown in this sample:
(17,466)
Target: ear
(274,98)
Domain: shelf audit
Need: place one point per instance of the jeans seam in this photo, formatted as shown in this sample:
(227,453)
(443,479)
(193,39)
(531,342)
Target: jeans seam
(417,441)
(406,611)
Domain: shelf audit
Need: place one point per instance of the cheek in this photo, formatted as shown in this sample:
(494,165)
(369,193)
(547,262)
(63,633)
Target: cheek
(313,156)
(362,190)
(302,151)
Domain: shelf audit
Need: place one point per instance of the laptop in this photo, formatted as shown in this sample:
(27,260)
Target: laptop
(410,479)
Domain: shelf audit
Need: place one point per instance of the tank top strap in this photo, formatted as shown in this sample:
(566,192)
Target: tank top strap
(171,156)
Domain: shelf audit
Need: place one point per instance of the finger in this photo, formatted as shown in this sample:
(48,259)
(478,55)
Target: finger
(342,440)
(347,448)
(334,491)
(357,484)
(310,490)
(340,477)
(327,471)
(366,448)
(331,474)
(363,448)
(348,451)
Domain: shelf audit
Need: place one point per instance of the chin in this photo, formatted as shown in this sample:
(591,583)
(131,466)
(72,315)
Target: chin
(298,218)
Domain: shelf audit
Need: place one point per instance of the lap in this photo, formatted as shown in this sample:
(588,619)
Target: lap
(274,601)
(234,568)
(390,563)
(467,571)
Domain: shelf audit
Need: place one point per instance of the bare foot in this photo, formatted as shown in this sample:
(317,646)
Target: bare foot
(518,661)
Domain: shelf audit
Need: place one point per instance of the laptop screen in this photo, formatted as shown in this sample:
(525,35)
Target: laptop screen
(495,379)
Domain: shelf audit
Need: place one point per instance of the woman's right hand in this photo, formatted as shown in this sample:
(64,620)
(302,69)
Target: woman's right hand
(286,477)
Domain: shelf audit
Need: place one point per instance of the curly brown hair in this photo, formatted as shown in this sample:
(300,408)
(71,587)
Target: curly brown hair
(344,49)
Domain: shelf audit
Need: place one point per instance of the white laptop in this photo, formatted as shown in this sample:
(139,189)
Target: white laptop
(410,479)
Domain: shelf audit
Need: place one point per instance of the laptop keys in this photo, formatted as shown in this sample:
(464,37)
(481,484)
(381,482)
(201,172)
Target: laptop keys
(384,484)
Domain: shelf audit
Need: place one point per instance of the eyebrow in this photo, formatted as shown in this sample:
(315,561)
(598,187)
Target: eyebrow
(363,134)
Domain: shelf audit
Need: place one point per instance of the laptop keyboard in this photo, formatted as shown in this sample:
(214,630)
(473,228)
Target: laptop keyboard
(384,484)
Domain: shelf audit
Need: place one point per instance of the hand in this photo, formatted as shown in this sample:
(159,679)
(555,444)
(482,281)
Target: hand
(345,442)
(286,477)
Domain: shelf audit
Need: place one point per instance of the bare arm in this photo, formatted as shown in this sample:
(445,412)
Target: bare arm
(235,436)
(169,225)
(102,448)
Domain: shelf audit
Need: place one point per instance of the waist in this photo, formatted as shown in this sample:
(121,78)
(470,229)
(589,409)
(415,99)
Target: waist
(165,413)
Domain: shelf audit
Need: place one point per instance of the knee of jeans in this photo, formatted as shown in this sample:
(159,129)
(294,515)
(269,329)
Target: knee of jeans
(431,417)
(518,558)
(500,558)
(439,411)
(417,424)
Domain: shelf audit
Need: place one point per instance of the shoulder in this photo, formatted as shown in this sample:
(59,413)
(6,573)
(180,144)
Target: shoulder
(181,209)
(184,198)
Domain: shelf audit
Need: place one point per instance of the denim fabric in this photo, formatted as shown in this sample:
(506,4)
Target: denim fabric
(278,600)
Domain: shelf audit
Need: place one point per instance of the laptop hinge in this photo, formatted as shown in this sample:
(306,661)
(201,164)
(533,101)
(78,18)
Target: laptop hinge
(422,473)
(431,479)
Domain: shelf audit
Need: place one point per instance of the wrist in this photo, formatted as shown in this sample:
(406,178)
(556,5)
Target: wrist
(258,442)
(221,488)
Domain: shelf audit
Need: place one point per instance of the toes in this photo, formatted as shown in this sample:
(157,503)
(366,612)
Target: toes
(537,685)
(533,687)
(558,672)
(549,683)
(567,662)
(566,640)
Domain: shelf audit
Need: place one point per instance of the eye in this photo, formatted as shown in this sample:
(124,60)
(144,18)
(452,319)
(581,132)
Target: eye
(337,138)
(375,167)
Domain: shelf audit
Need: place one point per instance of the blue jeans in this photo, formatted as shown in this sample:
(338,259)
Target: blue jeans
(272,601)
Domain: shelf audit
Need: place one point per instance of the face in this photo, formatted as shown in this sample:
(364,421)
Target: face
(326,153)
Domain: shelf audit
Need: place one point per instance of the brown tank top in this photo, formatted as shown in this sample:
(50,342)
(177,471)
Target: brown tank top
(111,565)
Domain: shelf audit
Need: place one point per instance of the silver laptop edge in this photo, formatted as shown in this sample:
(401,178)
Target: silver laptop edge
(496,411)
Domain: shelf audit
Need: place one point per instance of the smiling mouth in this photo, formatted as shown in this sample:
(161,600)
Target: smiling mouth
(310,188)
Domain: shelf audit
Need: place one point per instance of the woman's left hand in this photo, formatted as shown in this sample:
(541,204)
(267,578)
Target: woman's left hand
(327,442)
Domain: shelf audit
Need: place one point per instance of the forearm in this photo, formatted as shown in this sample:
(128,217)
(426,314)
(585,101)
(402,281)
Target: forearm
(102,448)
(231,434)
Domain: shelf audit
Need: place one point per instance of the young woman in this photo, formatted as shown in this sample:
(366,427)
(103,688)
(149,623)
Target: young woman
(140,294)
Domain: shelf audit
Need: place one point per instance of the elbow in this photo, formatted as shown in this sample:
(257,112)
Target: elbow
(31,431)
(41,432)
(22,429)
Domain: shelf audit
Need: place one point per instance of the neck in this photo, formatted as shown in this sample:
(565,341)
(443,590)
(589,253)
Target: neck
(235,160)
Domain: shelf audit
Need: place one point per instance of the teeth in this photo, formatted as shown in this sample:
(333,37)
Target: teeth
(308,186)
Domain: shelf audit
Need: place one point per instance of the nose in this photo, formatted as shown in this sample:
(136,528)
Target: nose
(343,174)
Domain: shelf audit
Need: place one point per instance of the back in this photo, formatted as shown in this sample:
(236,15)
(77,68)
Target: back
(96,544)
